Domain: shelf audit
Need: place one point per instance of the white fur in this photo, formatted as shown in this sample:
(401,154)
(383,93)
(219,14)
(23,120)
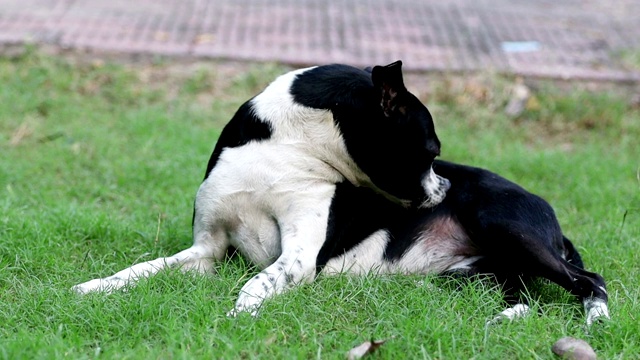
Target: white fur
(311,131)
(422,257)
(596,309)
(367,256)
(433,186)
(425,258)
(516,311)
(511,313)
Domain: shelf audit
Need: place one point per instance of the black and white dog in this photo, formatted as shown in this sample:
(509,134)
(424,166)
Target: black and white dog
(331,169)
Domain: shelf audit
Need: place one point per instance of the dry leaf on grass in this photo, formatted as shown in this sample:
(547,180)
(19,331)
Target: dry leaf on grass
(365,348)
(519,101)
(22,132)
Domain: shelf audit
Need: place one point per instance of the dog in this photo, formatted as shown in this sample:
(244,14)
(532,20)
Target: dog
(271,178)
(332,169)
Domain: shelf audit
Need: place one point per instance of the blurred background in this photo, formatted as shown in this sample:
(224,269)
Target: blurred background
(568,39)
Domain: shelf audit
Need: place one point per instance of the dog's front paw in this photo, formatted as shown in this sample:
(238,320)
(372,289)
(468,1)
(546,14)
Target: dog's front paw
(237,310)
(247,303)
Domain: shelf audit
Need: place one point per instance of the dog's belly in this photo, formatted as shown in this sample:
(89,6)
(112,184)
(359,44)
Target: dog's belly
(255,234)
(440,246)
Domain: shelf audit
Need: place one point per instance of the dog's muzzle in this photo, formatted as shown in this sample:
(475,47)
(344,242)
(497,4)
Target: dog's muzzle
(435,188)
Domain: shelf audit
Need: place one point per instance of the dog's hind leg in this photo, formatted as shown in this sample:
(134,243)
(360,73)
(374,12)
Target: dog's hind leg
(194,258)
(533,254)
(518,306)
(208,247)
(596,307)
(511,283)
(589,287)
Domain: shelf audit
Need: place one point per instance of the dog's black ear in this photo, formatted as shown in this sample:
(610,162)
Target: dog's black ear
(388,79)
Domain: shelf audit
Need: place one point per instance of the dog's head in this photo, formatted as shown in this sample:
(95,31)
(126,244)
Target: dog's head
(404,142)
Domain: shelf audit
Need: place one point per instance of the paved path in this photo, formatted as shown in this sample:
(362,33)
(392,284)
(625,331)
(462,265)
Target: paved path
(592,39)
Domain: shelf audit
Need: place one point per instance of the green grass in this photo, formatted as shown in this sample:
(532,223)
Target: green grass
(99,166)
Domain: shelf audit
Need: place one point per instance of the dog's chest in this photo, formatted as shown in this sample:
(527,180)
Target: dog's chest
(254,187)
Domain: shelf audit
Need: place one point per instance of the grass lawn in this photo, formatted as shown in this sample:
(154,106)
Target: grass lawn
(100,163)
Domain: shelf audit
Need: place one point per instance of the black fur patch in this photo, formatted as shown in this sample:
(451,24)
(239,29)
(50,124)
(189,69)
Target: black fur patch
(394,149)
(244,127)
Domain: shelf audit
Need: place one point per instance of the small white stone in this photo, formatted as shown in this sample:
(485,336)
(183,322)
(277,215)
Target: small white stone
(574,349)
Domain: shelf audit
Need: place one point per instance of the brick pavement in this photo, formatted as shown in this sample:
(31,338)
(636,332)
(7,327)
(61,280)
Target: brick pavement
(583,39)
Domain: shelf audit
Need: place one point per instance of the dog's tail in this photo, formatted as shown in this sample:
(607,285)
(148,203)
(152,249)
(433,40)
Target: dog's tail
(571,254)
